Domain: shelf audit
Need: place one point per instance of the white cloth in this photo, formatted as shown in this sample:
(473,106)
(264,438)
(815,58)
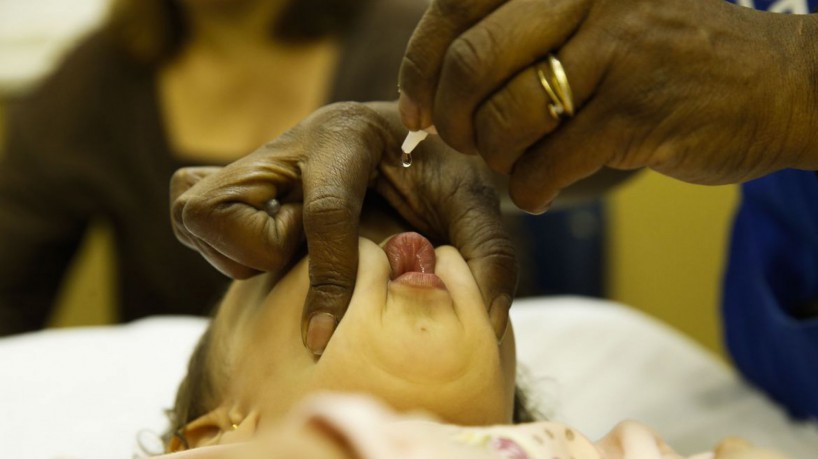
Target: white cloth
(34,34)
(85,393)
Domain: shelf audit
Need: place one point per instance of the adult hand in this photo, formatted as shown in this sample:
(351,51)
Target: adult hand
(703,91)
(319,172)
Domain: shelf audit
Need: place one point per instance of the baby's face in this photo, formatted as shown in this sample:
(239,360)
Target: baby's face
(415,340)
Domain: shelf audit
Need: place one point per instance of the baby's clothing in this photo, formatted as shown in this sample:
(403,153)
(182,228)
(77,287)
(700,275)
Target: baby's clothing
(373,431)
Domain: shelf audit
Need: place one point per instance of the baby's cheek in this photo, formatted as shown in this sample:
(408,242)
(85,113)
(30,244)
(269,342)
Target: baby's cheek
(463,288)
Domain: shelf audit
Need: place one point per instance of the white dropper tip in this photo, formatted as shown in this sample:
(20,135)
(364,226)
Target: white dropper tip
(412,140)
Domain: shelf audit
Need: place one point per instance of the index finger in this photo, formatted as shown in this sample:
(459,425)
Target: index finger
(444,21)
(476,229)
(335,177)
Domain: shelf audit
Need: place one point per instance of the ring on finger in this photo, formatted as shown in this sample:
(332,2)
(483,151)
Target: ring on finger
(556,86)
(563,88)
(555,108)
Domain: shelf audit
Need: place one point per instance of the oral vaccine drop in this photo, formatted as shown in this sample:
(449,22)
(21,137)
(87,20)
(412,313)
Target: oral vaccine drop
(412,141)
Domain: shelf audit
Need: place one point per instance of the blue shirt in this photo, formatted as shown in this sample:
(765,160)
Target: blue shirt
(772,272)
(780,6)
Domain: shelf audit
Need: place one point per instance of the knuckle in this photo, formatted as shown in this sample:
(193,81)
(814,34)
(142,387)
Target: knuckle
(493,122)
(330,207)
(194,209)
(329,294)
(344,123)
(203,217)
(463,58)
(414,68)
(499,110)
(498,250)
(341,116)
(471,52)
(331,285)
(490,243)
(488,236)
(478,216)
(454,11)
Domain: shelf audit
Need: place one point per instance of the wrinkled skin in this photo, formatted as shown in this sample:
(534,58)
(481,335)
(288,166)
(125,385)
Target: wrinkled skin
(320,170)
(703,91)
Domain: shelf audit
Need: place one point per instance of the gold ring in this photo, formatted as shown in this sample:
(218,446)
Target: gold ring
(553,79)
(563,88)
(555,108)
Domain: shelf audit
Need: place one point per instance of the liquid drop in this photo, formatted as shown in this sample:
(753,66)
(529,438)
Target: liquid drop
(406,159)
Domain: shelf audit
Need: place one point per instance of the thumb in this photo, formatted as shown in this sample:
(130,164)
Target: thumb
(181,181)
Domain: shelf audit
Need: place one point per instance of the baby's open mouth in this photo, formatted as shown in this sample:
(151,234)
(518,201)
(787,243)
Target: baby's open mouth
(412,260)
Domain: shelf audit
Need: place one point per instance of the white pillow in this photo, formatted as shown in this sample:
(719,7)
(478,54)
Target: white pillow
(595,363)
(35,34)
(85,393)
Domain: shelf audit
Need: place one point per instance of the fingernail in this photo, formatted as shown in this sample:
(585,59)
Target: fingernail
(539,211)
(319,331)
(409,112)
(431,129)
(498,315)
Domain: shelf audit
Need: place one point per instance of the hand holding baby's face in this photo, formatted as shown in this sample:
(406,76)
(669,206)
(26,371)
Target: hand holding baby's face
(253,215)
(412,342)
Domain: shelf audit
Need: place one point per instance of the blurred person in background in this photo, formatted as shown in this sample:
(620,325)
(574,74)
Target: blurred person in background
(165,84)
(171,83)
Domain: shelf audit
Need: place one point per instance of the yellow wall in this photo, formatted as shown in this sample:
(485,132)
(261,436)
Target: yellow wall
(87,295)
(668,242)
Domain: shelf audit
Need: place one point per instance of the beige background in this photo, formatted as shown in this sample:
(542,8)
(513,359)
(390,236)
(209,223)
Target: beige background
(668,242)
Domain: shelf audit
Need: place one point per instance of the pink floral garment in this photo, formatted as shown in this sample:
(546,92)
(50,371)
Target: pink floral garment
(379,433)
(373,431)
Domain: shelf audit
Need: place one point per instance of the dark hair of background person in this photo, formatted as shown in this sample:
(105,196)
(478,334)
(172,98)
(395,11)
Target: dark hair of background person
(198,394)
(153,31)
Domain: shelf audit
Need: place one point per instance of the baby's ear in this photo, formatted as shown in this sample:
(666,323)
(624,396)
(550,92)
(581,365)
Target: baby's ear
(218,427)
(205,430)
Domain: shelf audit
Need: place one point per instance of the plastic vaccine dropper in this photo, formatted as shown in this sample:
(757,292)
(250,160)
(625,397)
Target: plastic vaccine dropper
(412,141)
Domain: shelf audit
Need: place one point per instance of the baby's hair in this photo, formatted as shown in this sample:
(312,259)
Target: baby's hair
(198,394)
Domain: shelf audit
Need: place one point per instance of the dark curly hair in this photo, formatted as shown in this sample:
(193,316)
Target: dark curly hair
(152,31)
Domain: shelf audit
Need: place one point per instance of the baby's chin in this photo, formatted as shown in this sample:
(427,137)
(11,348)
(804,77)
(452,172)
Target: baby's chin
(461,404)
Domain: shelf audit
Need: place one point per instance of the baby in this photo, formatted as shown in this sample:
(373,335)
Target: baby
(414,370)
